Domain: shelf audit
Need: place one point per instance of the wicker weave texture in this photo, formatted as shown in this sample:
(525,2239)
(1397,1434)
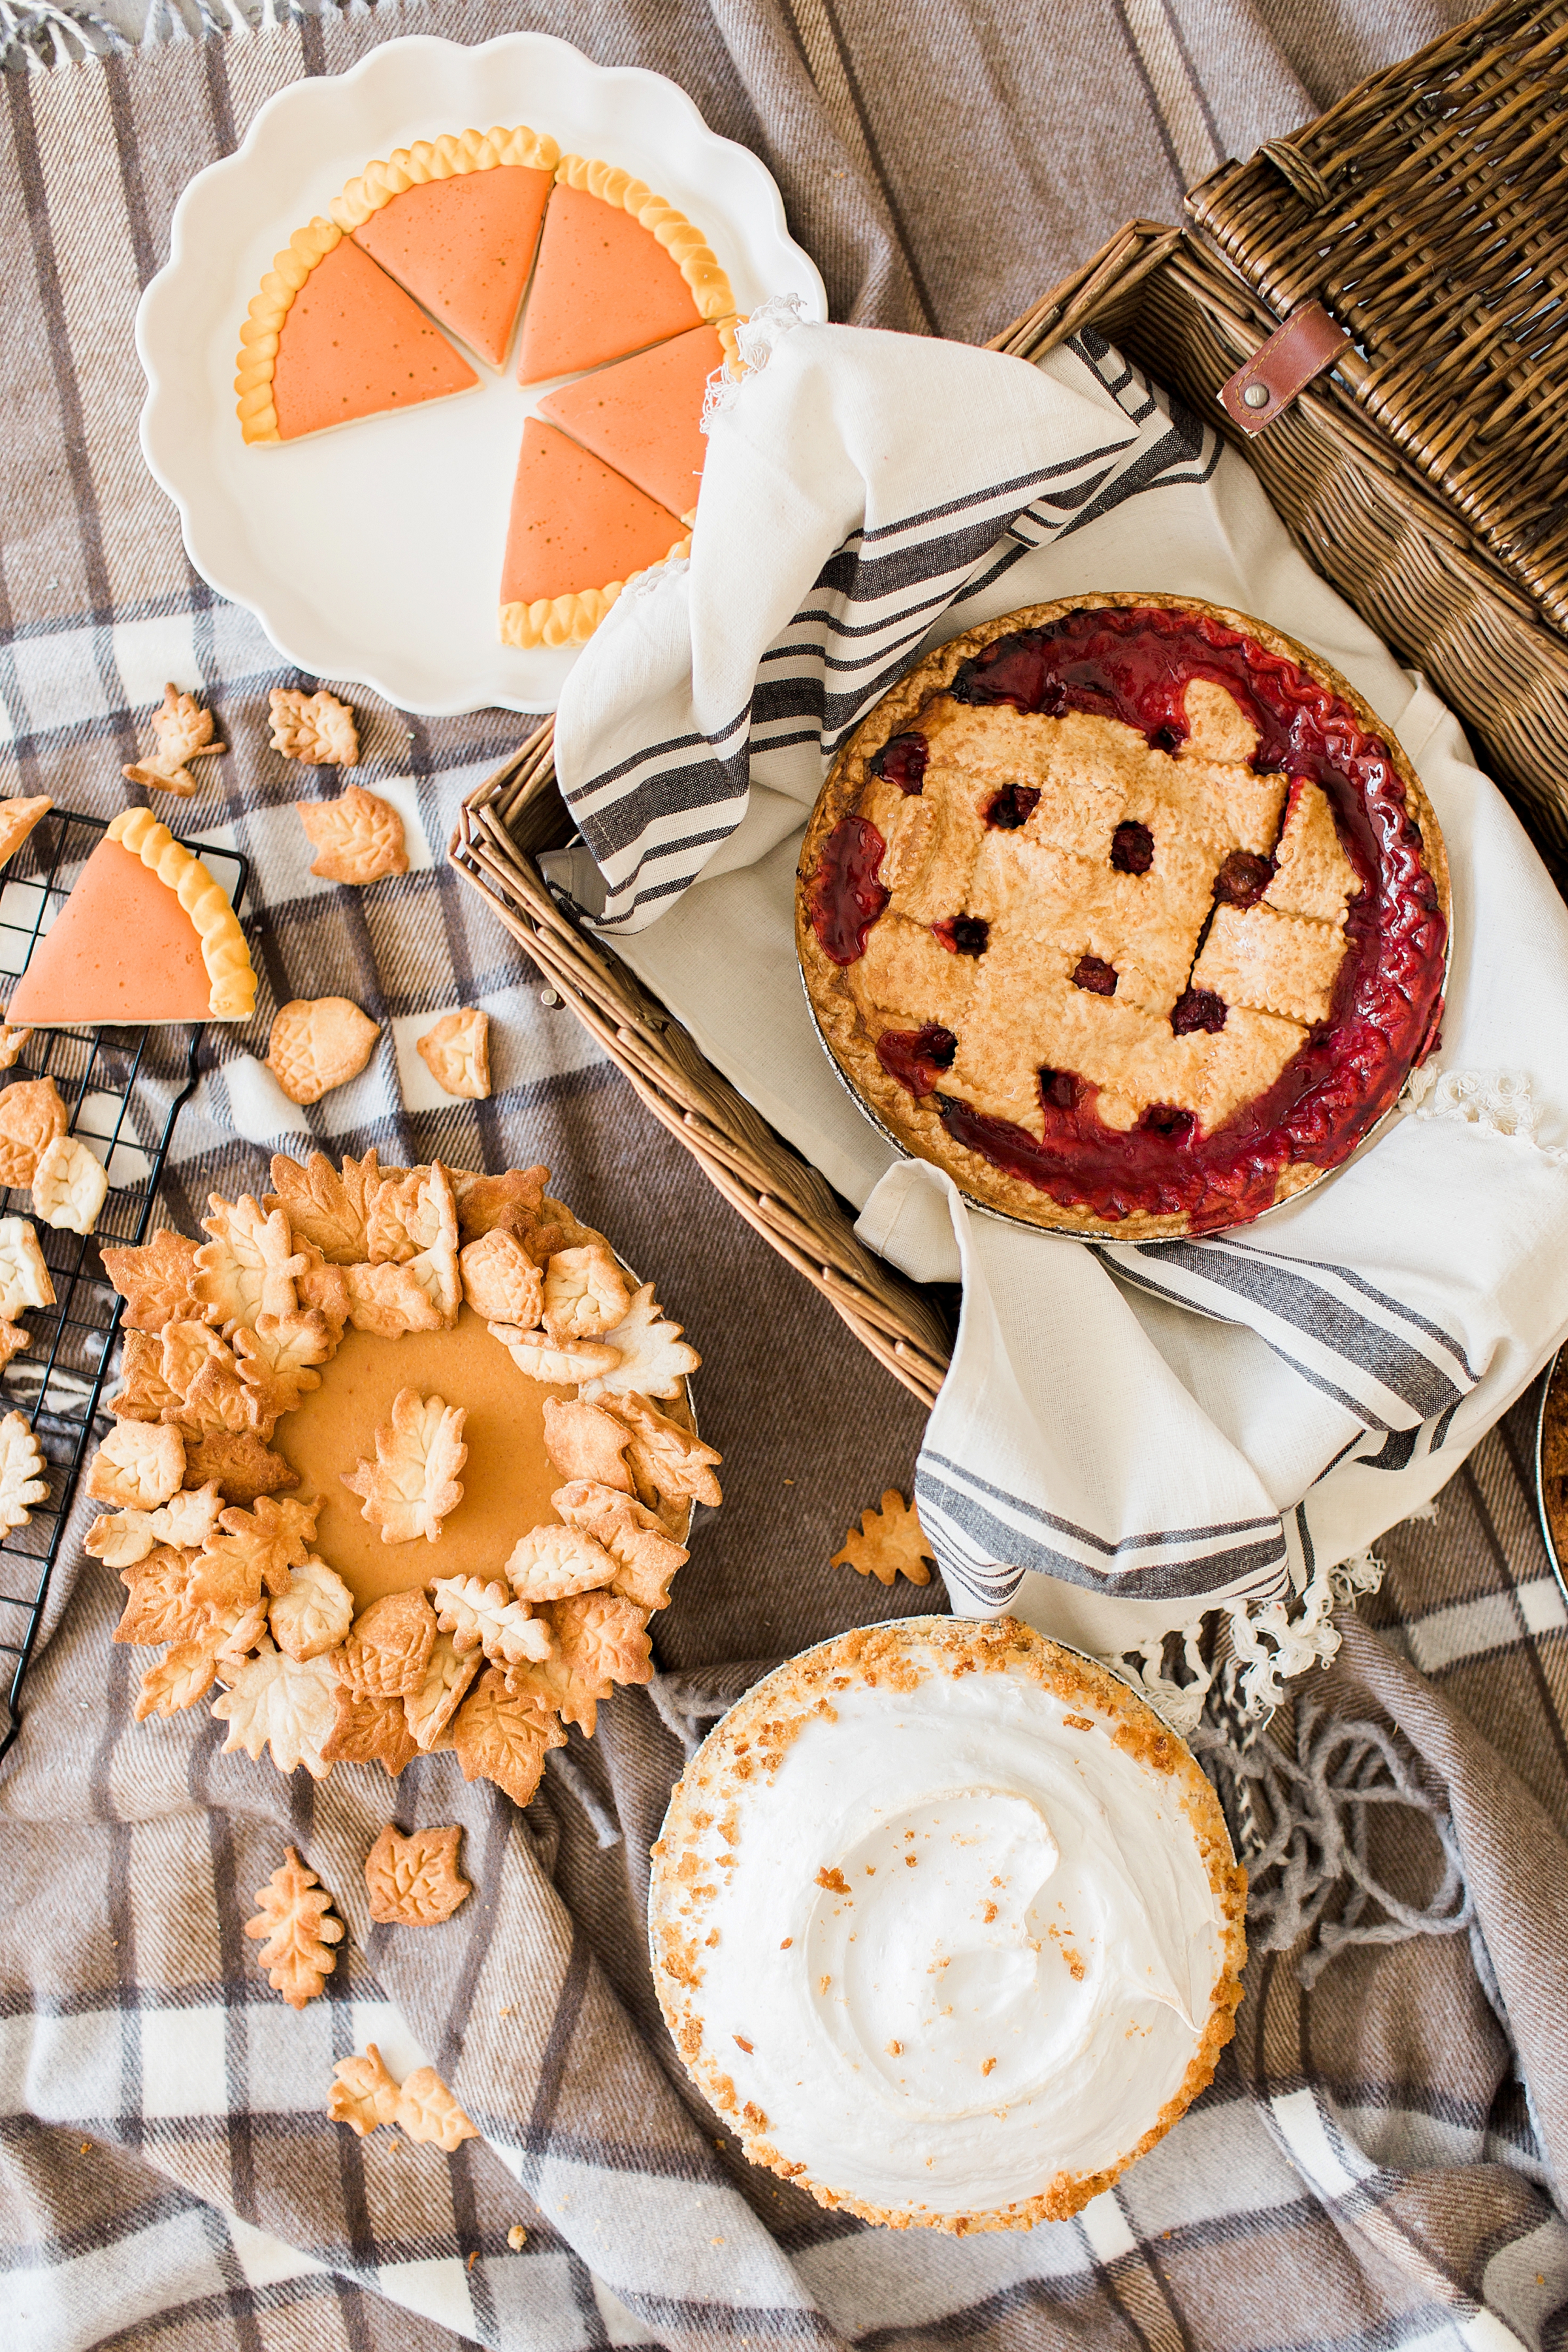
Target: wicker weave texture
(1429,212)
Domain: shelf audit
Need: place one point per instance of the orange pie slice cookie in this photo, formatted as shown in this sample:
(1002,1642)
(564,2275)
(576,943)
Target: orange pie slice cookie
(578,531)
(619,269)
(146,935)
(643,416)
(330,337)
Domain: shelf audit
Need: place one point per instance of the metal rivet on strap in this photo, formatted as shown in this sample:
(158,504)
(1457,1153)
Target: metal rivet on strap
(1257,396)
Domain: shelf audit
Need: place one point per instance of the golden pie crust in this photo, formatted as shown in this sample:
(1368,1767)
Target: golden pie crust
(223,948)
(265,1363)
(1050,895)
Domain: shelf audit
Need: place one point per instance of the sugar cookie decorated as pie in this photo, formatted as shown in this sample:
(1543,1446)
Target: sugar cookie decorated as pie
(402,1460)
(1128,912)
(146,935)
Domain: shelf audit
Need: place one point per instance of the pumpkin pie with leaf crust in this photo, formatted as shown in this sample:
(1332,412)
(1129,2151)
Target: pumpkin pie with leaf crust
(403,1460)
(1128,912)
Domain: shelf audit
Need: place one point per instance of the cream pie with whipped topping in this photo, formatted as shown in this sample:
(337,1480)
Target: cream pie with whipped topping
(946,1925)
(1126,911)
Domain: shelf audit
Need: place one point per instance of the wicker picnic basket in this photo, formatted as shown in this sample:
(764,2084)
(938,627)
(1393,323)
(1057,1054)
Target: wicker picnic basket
(1427,478)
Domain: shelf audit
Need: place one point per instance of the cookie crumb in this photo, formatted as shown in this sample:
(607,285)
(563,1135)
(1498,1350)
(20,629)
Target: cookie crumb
(516,2237)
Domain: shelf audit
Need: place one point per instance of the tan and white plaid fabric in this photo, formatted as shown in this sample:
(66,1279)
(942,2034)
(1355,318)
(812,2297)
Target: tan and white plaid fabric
(1372,2166)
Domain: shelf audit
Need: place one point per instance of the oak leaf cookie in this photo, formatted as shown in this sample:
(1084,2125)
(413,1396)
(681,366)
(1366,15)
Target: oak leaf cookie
(414,1881)
(890,1538)
(184,732)
(317,1043)
(291,1914)
(71,1184)
(359,837)
(31,1115)
(456,1052)
(315,727)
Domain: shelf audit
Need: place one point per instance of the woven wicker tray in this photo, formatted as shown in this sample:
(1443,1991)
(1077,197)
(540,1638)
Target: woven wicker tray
(1365,501)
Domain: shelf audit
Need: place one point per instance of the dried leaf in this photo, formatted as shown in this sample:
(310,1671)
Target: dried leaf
(655,1359)
(370,1731)
(157,1281)
(292,1917)
(24,1277)
(475,1613)
(317,1043)
(426,2110)
(502,1738)
(31,1115)
(387,1651)
(413,1485)
(22,1478)
(583,1441)
(358,837)
(243,1467)
(414,1881)
(447,1674)
(277,1700)
(247,1268)
(889,1539)
(501,1282)
(71,1184)
(585,1293)
(325,1208)
(137,1465)
(456,1052)
(364,2095)
(184,732)
(316,727)
(549,1562)
(557,1363)
(313,1613)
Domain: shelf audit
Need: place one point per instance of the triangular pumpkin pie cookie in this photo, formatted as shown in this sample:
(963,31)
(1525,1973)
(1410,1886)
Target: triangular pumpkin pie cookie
(330,337)
(578,531)
(643,415)
(146,935)
(619,269)
(463,248)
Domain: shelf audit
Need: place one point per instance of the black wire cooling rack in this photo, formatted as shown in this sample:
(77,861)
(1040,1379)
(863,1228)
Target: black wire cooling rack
(123,1089)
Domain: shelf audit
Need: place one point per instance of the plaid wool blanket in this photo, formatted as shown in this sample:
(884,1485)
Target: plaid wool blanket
(1373,2166)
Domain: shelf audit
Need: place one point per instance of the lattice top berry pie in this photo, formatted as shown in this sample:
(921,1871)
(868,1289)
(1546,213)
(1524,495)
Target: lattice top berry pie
(1128,913)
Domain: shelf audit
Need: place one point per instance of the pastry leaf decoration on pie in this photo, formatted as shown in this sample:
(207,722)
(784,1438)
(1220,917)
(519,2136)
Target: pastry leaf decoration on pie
(295,1931)
(889,1541)
(412,1484)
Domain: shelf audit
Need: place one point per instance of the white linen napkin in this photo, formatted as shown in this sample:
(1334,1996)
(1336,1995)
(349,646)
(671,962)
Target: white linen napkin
(1129,1434)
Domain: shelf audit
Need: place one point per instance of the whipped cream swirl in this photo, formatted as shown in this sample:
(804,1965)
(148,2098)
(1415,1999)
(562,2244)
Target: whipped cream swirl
(943,1941)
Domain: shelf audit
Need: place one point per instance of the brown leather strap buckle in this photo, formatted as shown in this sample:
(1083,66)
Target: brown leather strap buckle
(1308,342)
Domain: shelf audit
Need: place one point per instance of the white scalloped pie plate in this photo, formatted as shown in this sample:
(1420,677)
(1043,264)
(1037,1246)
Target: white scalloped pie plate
(373,553)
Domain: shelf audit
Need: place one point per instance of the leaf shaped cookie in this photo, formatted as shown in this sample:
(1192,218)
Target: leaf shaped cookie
(412,1484)
(157,1281)
(358,837)
(585,1293)
(549,1562)
(18,818)
(370,1731)
(655,1359)
(31,1115)
(317,1043)
(277,1700)
(316,727)
(313,1613)
(890,1538)
(503,1739)
(247,1268)
(277,1360)
(426,2110)
(183,731)
(500,1280)
(266,1542)
(179,1679)
(414,1881)
(456,1052)
(665,1456)
(295,1934)
(326,1207)
(644,1556)
(24,1277)
(388,1301)
(388,1647)
(22,1482)
(71,1184)
(487,1615)
(447,1674)
(363,2094)
(137,1465)
(557,1363)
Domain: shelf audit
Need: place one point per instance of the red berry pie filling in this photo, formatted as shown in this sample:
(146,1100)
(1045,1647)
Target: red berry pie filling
(1127,912)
